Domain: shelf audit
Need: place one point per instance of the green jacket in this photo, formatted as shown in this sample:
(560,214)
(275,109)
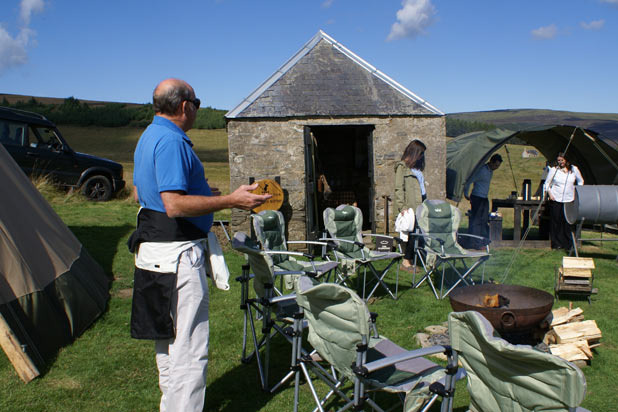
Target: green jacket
(407,189)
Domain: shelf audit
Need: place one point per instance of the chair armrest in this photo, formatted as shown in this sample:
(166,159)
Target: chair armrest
(281,252)
(377,235)
(336,247)
(473,236)
(283,298)
(370,367)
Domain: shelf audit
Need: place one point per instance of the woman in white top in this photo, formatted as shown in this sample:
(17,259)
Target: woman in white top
(560,188)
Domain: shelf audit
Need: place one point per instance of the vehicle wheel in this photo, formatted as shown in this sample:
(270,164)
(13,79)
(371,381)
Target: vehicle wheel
(97,188)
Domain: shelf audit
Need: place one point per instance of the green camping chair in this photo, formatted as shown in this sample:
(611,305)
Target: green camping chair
(344,226)
(506,377)
(276,312)
(438,222)
(269,226)
(342,331)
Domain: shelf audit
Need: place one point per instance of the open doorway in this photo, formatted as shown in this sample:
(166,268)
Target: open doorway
(339,170)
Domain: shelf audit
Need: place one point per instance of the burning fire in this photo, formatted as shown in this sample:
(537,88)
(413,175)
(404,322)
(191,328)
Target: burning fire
(495,301)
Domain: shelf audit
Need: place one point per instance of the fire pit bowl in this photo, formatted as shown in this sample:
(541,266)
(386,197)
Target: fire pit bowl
(526,309)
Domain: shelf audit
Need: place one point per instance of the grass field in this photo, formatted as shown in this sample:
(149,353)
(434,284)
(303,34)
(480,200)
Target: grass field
(106,370)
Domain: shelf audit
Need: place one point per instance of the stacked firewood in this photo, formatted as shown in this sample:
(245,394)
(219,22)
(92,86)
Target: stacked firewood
(570,336)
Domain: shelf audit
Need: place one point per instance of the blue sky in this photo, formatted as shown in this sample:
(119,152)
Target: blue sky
(458,55)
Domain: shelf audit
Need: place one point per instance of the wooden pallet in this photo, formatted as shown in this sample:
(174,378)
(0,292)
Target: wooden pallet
(575,277)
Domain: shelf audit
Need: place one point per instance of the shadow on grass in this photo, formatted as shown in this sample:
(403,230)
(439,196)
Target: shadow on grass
(103,242)
(239,388)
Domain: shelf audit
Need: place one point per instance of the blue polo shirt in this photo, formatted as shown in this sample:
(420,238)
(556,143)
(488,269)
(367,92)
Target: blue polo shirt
(165,160)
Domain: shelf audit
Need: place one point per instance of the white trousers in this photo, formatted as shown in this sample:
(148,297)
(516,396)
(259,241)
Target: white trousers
(182,360)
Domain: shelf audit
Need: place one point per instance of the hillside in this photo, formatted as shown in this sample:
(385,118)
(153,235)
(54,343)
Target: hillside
(515,119)
(16,98)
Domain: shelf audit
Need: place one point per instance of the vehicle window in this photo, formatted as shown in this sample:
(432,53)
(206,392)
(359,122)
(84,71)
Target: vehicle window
(12,133)
(45,138)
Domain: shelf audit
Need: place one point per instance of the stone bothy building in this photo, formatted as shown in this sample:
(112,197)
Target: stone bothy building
(328,118)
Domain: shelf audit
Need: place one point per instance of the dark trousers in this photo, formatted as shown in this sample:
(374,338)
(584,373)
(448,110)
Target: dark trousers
(410,250)
(560,230)
(479,221)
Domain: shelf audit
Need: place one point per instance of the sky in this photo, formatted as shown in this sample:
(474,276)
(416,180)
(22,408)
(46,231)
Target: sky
(458,55)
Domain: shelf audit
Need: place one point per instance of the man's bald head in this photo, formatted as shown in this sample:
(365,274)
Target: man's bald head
(168,96)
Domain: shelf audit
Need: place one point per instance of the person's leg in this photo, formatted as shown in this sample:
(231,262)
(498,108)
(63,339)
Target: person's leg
(187,359)
(484,221)
(554,213)
(475,221)
(565,230)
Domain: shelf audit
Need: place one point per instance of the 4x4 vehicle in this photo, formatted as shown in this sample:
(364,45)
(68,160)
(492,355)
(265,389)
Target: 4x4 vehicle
(39,149)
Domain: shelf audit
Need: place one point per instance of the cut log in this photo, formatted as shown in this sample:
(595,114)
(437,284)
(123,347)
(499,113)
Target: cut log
(577,262)
(576,273)
(564,315)
(570,351)
(574,331)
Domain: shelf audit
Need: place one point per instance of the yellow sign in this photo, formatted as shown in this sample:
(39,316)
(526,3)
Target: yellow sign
(271,187)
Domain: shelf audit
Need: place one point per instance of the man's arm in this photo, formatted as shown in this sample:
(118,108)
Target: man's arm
(179,204)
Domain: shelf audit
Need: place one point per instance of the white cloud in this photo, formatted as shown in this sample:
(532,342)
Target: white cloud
(593,25)
(327,3)
(412,19)
(27,7)
(546,32)
(615,2)
(14,50)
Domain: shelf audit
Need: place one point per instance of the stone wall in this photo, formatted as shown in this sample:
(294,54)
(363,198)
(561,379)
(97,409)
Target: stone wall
(268,148)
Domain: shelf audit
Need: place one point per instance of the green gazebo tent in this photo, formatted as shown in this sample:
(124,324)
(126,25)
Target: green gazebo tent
(595,156)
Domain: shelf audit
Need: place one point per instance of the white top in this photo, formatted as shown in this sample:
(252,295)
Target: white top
(421,180)
(561,184)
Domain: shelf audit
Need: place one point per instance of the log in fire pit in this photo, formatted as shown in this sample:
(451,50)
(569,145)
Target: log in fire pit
(516,309)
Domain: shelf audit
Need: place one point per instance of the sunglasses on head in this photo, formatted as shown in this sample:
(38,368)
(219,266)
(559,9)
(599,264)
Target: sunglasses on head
(196,102)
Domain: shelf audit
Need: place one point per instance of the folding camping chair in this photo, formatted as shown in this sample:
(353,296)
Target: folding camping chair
(343,332)
(506,377)
(276,312)
(269,226)
(344,226)
(438,222)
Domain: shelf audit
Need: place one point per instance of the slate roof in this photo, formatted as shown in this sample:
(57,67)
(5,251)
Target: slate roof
(326,79)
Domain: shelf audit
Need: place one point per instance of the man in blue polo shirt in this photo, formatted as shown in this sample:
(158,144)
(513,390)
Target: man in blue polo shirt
(479,204)
(170,296)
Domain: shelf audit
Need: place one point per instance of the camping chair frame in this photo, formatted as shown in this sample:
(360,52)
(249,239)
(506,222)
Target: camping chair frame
(514,377)
(319,269)
(442,259)
(366,260)
(264,309)
(362,370)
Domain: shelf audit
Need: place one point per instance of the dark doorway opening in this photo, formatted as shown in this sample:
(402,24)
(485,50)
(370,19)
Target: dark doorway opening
(339,170)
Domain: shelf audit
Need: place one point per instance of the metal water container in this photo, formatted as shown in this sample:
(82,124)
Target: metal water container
(593,204)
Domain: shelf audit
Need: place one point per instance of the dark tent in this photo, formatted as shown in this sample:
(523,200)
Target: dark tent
(51,289)
(595,156)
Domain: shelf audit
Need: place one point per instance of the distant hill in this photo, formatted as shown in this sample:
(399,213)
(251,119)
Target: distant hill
(16,98)
(515,119)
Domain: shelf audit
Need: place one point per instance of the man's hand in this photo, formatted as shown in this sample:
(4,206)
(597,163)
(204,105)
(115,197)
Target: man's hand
(242,197)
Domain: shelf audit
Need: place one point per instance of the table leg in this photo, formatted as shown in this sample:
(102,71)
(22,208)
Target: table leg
(516,223)
(526,220)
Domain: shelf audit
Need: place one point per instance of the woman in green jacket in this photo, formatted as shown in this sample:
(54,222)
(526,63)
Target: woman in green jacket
(410,188)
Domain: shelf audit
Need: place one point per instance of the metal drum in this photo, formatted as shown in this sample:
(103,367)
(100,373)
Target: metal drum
(594,204)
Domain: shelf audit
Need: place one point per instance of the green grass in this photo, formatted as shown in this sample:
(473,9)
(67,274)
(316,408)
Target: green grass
(106,370)
(118,144)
